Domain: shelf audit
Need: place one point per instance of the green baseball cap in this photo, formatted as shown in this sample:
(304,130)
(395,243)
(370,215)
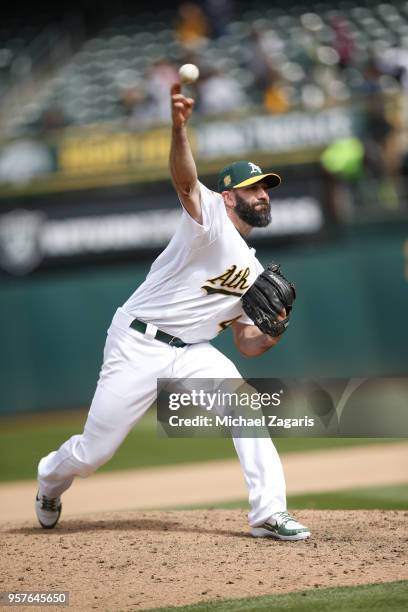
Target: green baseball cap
(243,174)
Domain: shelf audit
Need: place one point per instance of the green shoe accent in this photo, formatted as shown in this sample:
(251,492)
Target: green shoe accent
(281,526)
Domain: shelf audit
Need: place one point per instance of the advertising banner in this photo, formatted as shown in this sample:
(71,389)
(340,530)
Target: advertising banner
(50,232)
(110,155)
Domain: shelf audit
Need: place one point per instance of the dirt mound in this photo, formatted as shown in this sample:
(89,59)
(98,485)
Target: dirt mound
(136,560)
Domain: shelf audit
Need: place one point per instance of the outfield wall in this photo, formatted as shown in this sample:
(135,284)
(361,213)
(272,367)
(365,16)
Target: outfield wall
(349,320)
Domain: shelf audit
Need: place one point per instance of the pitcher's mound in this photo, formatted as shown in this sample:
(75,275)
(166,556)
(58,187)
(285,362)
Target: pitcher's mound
(135,560)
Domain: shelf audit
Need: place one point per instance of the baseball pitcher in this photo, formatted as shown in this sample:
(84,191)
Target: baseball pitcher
(205,280)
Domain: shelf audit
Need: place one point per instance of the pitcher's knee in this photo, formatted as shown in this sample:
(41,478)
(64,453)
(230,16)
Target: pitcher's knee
(89,459)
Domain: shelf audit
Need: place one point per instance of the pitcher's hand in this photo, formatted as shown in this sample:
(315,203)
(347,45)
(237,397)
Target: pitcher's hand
(181,107)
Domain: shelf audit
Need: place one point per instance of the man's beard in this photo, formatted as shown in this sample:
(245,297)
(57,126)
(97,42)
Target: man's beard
(248,214)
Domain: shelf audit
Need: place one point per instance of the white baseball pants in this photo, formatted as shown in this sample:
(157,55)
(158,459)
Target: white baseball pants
(127,387)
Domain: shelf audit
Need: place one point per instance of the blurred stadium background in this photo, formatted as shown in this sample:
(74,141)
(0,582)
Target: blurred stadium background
(315,91)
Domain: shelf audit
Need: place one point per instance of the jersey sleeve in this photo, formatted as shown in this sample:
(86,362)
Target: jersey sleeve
(214,217)
(245,320)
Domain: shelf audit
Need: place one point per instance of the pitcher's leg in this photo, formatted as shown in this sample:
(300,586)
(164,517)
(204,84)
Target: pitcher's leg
(108,423)
(126,389)
(259,458)
(264,477)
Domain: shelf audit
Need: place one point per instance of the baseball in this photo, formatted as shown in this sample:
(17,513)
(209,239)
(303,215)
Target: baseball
(189,73)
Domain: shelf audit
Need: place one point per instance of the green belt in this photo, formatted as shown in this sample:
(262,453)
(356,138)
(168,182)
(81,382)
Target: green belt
(160,335)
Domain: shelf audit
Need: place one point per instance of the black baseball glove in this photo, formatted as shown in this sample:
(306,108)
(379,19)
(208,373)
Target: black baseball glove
(266,299)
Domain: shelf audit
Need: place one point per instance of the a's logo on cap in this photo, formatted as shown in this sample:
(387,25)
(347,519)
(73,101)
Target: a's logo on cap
(227,180)
(254,169)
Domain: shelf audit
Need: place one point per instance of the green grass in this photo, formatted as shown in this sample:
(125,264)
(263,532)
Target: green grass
(390,497)
(24,440)
(379,597)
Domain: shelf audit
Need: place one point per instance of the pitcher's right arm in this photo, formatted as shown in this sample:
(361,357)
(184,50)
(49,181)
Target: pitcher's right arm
(182,165)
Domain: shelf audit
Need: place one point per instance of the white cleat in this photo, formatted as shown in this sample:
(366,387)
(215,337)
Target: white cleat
(281,526)
(48,510)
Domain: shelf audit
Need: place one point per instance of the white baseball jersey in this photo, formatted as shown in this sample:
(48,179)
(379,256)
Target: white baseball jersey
(193,288)
(192,291)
